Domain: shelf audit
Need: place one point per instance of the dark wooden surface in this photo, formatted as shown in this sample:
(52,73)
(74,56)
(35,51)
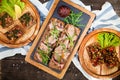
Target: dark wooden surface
(15,68)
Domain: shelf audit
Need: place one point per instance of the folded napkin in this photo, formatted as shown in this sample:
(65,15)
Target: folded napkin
(104,18)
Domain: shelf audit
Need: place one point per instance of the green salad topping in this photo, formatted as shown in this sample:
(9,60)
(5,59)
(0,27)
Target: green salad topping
(107,39)
(8,6)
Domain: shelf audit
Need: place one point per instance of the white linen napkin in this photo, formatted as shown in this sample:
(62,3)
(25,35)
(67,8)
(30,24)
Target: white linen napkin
(105,18)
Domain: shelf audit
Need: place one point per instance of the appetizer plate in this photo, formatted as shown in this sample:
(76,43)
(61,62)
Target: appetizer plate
(53,61)
(28,31)
(99,71)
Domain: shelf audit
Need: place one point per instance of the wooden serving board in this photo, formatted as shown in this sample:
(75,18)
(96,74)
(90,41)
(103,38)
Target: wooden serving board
(88,19)
(28,36)
(84,57)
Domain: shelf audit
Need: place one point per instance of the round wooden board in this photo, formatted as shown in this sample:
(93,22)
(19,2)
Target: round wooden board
(36,28)
(84,58)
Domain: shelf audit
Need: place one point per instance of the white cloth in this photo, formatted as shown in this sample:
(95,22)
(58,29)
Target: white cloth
(104,18)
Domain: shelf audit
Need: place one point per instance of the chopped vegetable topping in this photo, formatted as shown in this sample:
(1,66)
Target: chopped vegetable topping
(44,55)
(14,33)
(63,47)
(27,20)
(94,54)
(110,57)
(55,32)
(99,56)
(70,38)
(6,20)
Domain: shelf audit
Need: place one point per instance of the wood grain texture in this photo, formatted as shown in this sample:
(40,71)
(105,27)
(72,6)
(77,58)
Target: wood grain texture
(15,68)
(29,33)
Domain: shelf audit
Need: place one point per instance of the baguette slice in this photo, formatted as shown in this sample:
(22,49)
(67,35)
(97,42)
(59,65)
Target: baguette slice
(107,71)
(54,22)
(5,22)
(27,35)
(45,50)
(15,33)
(55,65)
(53,31)
(93,69)
(4,38)
(72,34)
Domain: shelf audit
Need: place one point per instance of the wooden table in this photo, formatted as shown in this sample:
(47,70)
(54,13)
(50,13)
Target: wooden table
(15,68)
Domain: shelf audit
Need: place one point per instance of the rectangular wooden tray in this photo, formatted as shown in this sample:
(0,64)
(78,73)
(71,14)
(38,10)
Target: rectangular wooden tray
(88,19)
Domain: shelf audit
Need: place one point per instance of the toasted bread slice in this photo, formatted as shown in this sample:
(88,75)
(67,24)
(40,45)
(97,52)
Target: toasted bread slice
(53,31)
(93,69)
(15,33)
(55,65)
(5,22)
(54,22)
(28,33)
(107,71)
(43,53)
(4,38)
(72,34)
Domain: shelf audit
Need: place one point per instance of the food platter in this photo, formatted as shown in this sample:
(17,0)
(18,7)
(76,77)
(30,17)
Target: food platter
(18,32)
(98,70)
(59,39)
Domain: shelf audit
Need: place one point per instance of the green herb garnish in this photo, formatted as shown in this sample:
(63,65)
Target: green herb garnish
(70,38)
(74,19)
(63,47)
(58,57)
(44,55)
(107,39)
(55,32)
(26,18)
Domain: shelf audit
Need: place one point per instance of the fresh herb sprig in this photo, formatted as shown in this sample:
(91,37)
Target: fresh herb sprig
(55,32)
(107,39)
(44,55)
(70,38)
(74,19)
